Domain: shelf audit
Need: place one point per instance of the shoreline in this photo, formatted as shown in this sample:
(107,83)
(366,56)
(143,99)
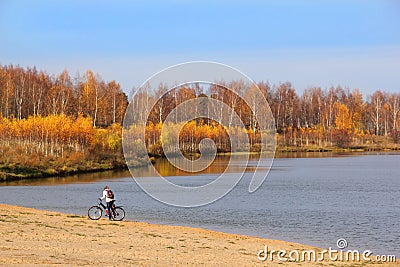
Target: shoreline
(38,237)
(11,172)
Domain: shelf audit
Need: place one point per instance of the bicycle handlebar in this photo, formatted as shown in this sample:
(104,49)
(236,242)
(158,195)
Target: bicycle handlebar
(100,202)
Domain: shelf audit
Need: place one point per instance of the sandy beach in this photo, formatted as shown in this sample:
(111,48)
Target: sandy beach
(35,237)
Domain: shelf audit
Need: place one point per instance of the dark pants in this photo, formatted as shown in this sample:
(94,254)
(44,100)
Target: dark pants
(109,208)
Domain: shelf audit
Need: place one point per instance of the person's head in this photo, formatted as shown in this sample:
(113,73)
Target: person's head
(106,187)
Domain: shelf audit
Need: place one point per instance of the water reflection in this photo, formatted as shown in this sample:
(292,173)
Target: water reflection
(219,165)
(165,168)
(71,179)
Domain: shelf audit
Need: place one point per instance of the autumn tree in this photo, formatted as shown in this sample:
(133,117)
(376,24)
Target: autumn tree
(377,100)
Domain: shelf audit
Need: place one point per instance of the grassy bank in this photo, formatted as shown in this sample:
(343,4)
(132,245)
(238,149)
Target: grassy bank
(9,172)
(61,167)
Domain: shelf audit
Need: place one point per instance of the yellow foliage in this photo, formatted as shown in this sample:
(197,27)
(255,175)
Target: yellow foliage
(343,119)
(58,135)
(114,140)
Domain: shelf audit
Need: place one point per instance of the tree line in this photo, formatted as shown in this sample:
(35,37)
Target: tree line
(46,111)
(335,115)
(318,117)
(28,92)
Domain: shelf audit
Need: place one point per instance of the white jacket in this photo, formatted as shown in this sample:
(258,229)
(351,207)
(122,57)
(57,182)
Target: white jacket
(105,196)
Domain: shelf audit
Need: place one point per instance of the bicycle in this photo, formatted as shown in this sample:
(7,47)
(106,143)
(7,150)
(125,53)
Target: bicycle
(95,212)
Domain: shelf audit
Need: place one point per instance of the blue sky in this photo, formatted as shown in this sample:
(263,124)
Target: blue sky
(354,43)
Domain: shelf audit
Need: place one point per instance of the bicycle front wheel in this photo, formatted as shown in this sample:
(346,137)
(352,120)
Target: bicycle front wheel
(95,212)
(119,214)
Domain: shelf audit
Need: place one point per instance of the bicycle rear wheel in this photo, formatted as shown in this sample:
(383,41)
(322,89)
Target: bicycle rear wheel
(119,214)
(95,212)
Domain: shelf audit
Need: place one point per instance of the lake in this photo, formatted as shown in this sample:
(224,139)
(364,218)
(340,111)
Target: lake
(314,199)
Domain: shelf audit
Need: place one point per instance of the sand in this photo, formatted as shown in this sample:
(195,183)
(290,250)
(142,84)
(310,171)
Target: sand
(35,237)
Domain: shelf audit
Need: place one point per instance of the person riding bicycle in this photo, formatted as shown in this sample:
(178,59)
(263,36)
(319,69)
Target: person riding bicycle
(109,196)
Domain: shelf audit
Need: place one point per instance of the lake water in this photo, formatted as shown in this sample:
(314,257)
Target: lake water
(313,200)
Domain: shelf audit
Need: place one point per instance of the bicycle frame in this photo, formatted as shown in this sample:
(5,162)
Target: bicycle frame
(100,204)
